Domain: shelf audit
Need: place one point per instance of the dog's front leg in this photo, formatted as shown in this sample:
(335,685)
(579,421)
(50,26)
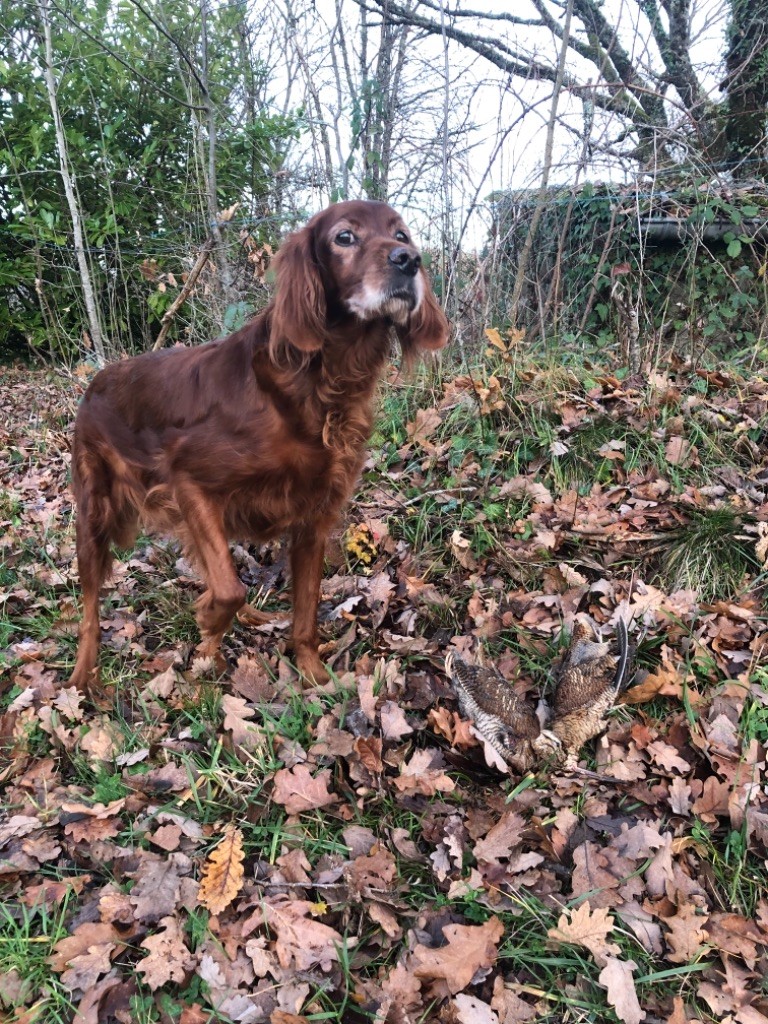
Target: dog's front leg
(307,554)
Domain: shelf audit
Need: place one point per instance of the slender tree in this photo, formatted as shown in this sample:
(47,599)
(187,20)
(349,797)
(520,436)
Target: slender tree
(68,181)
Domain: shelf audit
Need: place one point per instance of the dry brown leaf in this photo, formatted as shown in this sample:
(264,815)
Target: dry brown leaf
(471,1010)
(665,681)
(509,1006)
(302,942)
(368,749)
(468,949)
(665,755)
(419,775)
(394,724)
(680,797)
(236,720)
(299,790)
(616,978)
(461,548)
(223,872)
(680,452)
(713,801)
(737,936)
(587,928)
(678,1015)
(685,936)
(424,425)
(169,959)
(402,988)
(156,889)
(85,955)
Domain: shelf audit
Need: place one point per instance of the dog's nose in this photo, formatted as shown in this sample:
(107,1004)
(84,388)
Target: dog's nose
(406,260)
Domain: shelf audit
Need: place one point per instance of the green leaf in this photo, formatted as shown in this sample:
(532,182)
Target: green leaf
(734,248)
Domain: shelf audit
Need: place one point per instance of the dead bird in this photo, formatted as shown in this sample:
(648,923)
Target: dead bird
(590,679)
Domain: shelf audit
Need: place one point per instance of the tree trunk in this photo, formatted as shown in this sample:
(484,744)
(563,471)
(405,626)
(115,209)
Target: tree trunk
(222,259)
(94,323)
(747,86)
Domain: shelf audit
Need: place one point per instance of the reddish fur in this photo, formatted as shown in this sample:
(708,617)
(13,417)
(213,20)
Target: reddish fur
(254,436)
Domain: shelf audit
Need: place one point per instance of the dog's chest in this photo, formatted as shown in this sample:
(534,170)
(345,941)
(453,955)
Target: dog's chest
(306,484)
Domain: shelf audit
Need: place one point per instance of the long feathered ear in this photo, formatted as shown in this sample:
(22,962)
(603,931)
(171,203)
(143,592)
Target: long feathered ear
(299,307)
(427,327)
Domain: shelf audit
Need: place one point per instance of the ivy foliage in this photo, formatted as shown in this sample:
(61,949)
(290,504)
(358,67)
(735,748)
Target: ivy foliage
(691,255)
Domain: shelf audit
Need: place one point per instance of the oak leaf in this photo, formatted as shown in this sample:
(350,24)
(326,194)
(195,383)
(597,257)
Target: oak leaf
(368,749)
(685,938)
(471,1010)
(394,724)
(156,890)
(713,801)
(468,949)
(616,978)
(680,452)
(169,959)
(236,720)
(509,1006)
(223,872)
(587,928)
(680,797)
(423,426)
(666,681)
(402,987)
(85,955)
(301,942)
(421,775)
(665,755)
(298,790)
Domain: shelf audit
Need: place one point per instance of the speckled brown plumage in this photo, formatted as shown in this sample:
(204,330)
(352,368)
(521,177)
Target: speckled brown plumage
(591,678)
(503,718)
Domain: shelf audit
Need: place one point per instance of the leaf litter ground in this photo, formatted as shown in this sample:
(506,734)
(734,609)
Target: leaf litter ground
(232,850)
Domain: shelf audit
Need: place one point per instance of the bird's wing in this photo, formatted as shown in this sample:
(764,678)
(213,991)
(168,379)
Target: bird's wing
(582,685)
(485,690)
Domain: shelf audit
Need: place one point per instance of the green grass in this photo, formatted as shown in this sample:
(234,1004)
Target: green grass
(27,939)
(709,554)
(705,550)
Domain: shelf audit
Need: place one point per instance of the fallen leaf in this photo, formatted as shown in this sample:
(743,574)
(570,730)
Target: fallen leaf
(616,978)
(468,949)
(223,872)
(298,790)
(423,774)
(168,959)
(587,928)
(685,935)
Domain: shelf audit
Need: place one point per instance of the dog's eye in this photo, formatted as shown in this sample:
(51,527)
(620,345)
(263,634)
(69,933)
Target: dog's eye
(401,236)
(344,238)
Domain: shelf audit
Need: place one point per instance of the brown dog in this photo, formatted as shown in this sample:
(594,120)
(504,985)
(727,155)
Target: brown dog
(257,435)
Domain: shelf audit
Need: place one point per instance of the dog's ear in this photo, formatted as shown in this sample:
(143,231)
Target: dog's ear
(427,327)
(299,306)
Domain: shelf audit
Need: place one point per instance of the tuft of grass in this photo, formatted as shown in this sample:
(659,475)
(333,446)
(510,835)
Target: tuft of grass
(709,555)
(27,938)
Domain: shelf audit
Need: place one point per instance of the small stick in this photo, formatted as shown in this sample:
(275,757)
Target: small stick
(189,284)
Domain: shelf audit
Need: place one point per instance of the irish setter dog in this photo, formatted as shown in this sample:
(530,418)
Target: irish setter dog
(260,434)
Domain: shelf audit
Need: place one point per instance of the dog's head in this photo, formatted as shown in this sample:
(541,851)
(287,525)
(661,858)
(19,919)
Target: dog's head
(354,261)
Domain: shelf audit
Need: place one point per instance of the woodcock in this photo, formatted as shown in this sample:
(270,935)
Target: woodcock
(591,677)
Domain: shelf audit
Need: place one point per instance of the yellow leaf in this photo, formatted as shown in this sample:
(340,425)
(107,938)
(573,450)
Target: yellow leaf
(223,872)
(516,335)
(495,338)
